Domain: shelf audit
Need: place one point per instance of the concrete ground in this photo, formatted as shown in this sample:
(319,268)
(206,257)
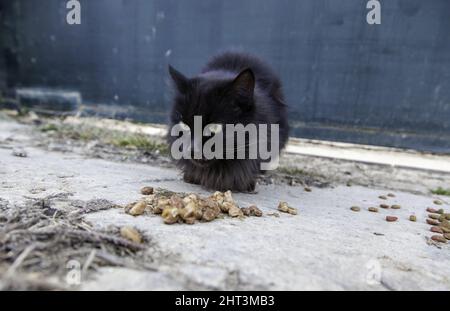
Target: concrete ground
(325,247)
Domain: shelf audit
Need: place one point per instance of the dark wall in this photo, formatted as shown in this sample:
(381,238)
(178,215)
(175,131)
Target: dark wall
(345,80)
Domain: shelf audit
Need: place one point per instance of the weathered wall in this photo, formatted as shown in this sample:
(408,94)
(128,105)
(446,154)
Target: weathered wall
(344,79)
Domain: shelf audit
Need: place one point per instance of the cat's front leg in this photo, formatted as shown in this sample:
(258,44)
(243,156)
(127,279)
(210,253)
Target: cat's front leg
(191,178)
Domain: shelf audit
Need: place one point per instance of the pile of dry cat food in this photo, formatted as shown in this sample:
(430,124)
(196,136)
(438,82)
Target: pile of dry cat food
(191,208)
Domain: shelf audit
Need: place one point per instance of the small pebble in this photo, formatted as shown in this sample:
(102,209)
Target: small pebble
(383,197)
(396,206)
(440,211)
(373,209)
(391,218)
(437,202)
(384,206)
(391,195)
(412,218)
(307,189)
(431,210)
(355,208)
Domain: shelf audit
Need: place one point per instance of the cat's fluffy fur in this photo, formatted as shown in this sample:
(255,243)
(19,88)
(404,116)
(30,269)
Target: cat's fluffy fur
(232,88)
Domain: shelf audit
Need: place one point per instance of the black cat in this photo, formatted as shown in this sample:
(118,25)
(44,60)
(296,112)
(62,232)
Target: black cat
(233,88)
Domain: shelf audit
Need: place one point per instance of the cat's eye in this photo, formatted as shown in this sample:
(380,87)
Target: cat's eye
(215,128)
(184,126)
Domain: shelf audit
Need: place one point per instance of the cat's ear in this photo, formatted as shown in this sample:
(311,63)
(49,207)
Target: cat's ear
(243,88)
(181,82)
(244,83)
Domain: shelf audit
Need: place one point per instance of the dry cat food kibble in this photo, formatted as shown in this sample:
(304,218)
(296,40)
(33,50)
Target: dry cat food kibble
(439,238)
(391,218)
(355,208)
(434,216)
(436,230)
(391,195)
(189,208)
(147,191)
(396,206)
(136,209)
(383,197)
(432,222)
(373,209)
(384,206)
(412,218)
(437,202)
(285,208)
(131,234)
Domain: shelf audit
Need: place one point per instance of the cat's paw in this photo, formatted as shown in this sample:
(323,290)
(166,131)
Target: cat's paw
(188,178)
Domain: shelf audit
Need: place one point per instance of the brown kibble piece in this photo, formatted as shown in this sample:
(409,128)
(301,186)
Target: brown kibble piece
(176,201)
(307,189)
(227,197)
(391,195)
(147,190)
(138,208)
(255,211)
(432,222)
(446,230)
(383,197)
(226,206)
(373,209)
(170,215)
(391,218)
(384,206)
(190,212)
(209,215)
(437,202)
(396,206)
(434,216)
(439,238)
(131,234)
(285,208)
(412,218)
(235,211)
(246,211)
(445,224)
(436,229)
(431,210)
(355,208)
